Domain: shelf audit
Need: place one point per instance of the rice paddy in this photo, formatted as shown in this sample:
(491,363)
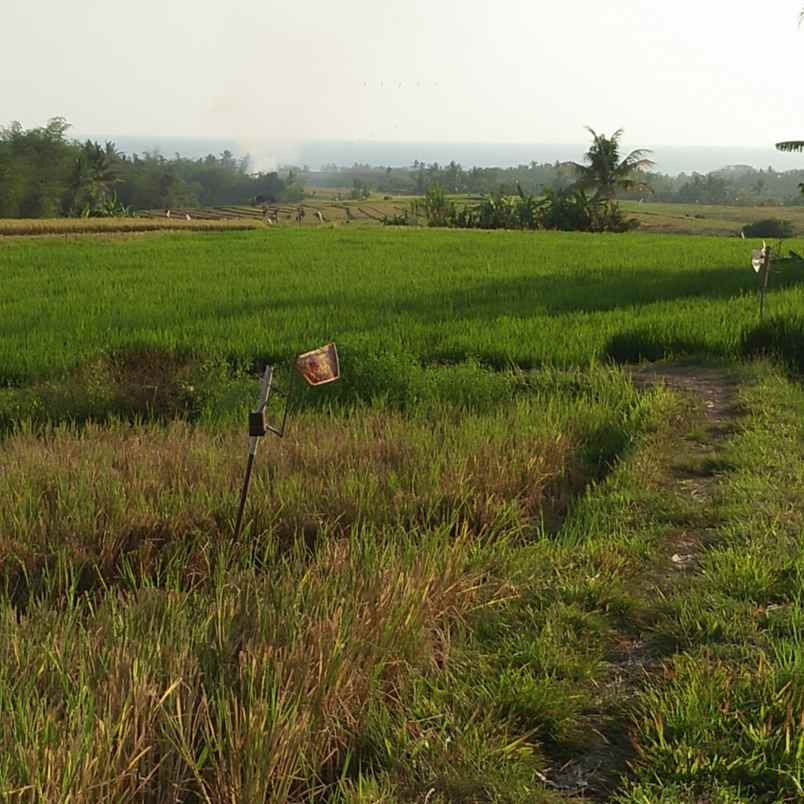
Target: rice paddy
(654,218)
(458,578)
(405,298)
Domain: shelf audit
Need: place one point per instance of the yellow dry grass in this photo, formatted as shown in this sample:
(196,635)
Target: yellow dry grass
(222,683)
(104,493)
(66,226)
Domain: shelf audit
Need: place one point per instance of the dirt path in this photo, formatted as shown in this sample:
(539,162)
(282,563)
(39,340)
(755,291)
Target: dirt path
(716,388)
(693,475)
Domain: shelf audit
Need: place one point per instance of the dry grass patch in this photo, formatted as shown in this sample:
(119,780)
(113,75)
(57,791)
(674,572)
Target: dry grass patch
(249,689)
(66,226)
(97,497)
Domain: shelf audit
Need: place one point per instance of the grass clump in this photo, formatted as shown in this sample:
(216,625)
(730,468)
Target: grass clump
(245,687)
(737,723)
(769,227)
(780,336)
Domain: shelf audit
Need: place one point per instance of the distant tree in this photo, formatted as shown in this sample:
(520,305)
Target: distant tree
(45,174)
(420,178)
(34,169)
(791,146)
(709,189)
(96,170)
(435,206)
(606,173)
(360,190)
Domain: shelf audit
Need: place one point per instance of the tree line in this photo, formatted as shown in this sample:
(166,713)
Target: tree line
(44,173)
(589,204)
(737,185)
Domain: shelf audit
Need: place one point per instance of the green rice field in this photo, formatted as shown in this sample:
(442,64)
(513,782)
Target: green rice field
(432,297)
(493,563)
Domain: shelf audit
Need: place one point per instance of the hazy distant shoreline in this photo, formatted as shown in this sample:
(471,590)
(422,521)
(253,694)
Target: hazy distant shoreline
(671,159)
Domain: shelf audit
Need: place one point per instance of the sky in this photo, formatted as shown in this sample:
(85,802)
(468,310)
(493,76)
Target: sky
(684,72)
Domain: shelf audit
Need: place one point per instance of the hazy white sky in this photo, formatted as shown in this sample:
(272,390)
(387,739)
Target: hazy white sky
(697,72)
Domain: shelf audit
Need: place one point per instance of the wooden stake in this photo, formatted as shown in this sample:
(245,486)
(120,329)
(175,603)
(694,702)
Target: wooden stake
(265,392)
(764,286)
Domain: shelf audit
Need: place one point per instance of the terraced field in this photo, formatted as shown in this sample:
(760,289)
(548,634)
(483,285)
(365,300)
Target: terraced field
(356,212)
(653,217)
(708,219)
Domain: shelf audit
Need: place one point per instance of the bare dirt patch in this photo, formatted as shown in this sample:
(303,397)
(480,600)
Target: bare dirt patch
(715,388)
(695,473)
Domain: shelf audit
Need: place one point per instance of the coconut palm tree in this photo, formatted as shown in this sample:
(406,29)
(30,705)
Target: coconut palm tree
(606,172)
(95,172)
(795,146)
(790,145)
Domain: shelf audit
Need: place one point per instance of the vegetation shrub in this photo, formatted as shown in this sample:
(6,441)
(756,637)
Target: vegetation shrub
(778,336)
(570,210)
(436,208)
(404,218)
(567,209)
(769,227)
(136,383)
(608,217)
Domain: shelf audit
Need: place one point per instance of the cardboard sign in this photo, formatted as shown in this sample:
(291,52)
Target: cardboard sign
(319,366)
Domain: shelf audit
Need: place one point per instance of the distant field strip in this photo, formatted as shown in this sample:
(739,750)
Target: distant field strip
(707,219)
(659,218)
(45,226)
(362,212)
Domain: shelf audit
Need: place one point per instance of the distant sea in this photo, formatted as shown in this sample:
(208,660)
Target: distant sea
(266,155)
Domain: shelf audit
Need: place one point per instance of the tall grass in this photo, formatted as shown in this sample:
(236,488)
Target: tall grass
(146,657)
(244,687)
(98,495)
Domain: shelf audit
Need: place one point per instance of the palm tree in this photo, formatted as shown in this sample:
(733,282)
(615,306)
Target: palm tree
(790,145)
(605,172)
(103,167)
(793,146)
(95,172)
